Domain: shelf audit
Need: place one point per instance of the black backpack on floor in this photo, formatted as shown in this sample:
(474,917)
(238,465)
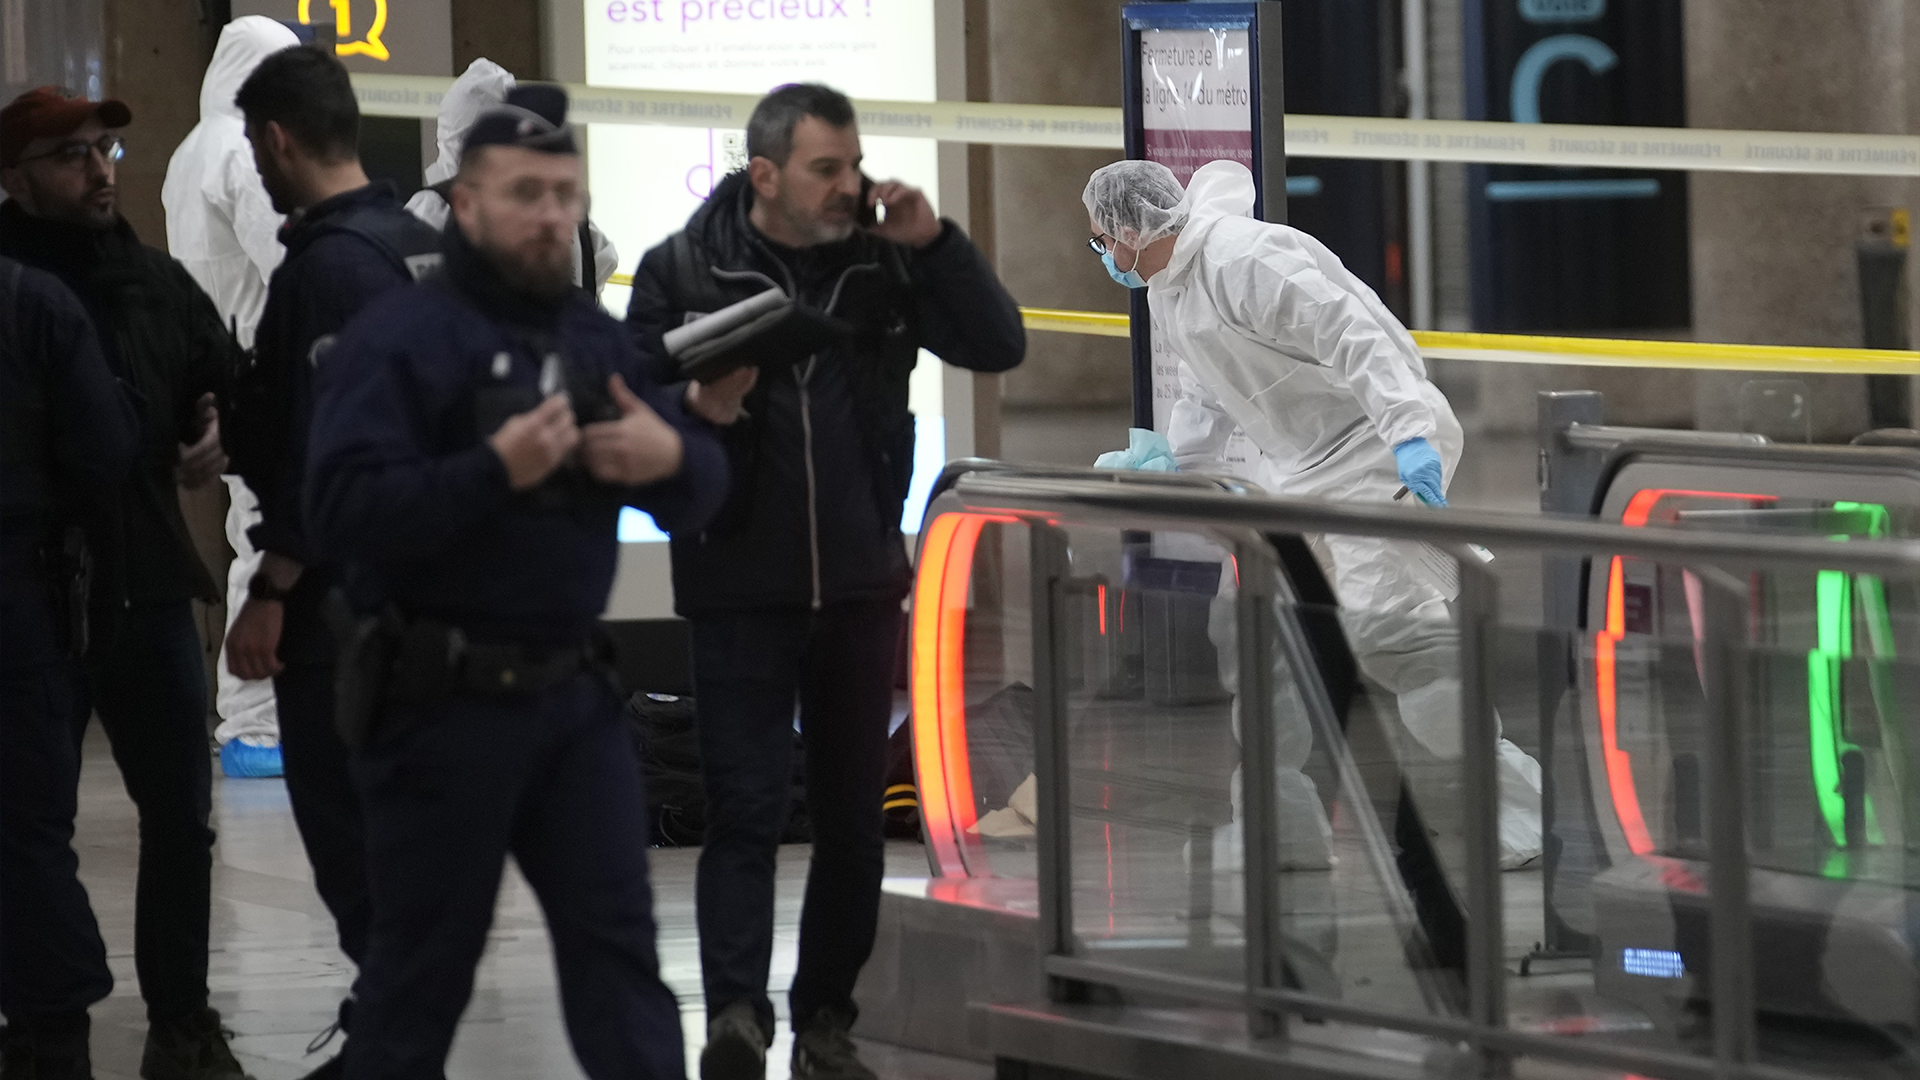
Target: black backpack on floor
(667,737)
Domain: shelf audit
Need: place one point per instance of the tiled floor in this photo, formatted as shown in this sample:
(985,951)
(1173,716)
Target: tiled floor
(277,975)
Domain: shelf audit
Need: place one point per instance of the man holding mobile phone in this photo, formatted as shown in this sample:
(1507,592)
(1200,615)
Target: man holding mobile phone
(794,591)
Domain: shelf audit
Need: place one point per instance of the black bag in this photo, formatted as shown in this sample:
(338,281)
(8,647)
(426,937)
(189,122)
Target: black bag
(666,735)
(900,806)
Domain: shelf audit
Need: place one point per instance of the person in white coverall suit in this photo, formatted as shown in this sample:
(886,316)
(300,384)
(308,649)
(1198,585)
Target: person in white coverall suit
(1278,340)
(222,228)
(483,86)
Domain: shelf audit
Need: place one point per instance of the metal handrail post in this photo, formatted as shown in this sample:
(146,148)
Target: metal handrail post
(1477,607)
(1724,655)
(1255,644)
(1054,832)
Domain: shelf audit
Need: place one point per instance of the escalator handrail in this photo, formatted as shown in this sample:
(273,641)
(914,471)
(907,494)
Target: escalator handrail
(1097,500)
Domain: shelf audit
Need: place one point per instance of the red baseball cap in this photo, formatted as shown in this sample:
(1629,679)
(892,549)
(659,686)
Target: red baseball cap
(47,112)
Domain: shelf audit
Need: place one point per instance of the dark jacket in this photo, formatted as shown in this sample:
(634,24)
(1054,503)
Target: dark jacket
(164,339)
(66,428)
(823,459)
(402,484)
(341,254)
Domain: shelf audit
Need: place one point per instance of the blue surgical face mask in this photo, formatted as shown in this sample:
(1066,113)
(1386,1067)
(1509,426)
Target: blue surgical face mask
(1130,278)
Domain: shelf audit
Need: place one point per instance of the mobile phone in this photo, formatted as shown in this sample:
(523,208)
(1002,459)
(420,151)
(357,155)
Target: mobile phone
(868,213)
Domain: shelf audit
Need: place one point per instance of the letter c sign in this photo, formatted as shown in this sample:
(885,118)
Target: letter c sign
(1525,104)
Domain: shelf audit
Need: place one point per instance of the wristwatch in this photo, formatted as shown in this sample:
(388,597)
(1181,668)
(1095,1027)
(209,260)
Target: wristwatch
(261,587)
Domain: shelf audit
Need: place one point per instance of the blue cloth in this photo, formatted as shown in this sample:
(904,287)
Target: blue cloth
(402,483)
(449,791)
(1421,471)
(1147,451)
(749,667)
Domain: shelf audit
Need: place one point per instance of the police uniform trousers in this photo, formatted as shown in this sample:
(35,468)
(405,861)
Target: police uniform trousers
(448,791)
(326,808)
(52,960)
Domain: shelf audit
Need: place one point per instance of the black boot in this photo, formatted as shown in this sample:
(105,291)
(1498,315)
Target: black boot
(52,1047)
(823,1049)
(194,1047)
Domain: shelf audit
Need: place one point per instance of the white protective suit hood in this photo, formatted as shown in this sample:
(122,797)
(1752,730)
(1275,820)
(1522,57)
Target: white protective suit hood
(220,223)
(481,87)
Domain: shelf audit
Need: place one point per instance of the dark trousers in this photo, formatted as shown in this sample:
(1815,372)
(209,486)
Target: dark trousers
(448,792)
(150,690)
(325,806)
(749,670)
(51,957)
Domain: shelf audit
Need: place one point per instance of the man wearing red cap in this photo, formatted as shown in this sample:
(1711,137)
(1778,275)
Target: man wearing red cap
(162,337)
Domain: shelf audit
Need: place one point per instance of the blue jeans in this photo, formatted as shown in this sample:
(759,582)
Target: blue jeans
(448,792)
(750,667)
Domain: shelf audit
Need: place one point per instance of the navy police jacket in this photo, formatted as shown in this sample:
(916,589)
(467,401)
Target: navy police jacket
(338,261)
(404,488)
(68,431)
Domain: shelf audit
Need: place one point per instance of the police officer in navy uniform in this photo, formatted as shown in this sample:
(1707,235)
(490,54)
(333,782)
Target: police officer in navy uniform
(474,438)
(348,241)
(66,427)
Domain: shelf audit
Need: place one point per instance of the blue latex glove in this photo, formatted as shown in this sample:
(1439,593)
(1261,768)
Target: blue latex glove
(1420,470)
(1147,451)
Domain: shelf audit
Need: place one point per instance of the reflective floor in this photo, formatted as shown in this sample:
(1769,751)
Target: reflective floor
(277,975)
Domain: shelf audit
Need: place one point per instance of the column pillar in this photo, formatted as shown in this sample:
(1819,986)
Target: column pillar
(1773,255)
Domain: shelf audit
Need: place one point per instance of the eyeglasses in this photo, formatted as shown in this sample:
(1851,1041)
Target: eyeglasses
(1099,248)
(73,155)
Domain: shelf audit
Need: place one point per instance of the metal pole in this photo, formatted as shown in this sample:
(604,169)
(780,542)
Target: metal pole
(1257,646)
(1413,22)
(1054,832)
(1730,917)
(1479,745)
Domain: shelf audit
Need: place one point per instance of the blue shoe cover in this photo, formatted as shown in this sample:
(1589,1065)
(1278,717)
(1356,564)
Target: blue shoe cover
(238,758)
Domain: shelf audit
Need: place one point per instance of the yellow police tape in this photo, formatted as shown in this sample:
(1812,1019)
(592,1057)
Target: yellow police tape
(1558,351)
(1368,137)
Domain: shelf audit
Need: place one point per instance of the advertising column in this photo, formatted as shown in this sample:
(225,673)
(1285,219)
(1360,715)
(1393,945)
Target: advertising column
(1200,77)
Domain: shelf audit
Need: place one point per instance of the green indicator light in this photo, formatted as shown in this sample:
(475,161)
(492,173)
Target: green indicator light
(1833,607)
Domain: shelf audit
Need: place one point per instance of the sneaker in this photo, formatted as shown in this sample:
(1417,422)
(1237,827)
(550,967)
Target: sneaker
(193,1047)
(823,1050)
(736,1046)
(241,759)
(47,1048)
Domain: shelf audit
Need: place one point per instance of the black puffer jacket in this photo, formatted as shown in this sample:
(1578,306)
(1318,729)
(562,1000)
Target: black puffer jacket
(822,461)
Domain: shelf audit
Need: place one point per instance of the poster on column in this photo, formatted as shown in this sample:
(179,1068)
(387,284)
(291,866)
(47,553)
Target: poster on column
(1196,91)
(1196,106)
(647,181)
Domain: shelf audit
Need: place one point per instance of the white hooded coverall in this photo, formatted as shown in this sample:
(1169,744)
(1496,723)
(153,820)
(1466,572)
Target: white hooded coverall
(481,87)
(223,229)
(1278,340)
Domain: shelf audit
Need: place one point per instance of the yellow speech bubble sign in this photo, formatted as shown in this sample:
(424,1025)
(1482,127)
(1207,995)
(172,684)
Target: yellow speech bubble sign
(344,45)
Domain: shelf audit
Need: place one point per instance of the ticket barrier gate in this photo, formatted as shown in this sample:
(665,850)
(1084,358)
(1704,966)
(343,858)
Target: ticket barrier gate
(1089,927)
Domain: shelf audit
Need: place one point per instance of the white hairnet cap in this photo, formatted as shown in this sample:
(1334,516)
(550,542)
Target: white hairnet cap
(1136,202)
